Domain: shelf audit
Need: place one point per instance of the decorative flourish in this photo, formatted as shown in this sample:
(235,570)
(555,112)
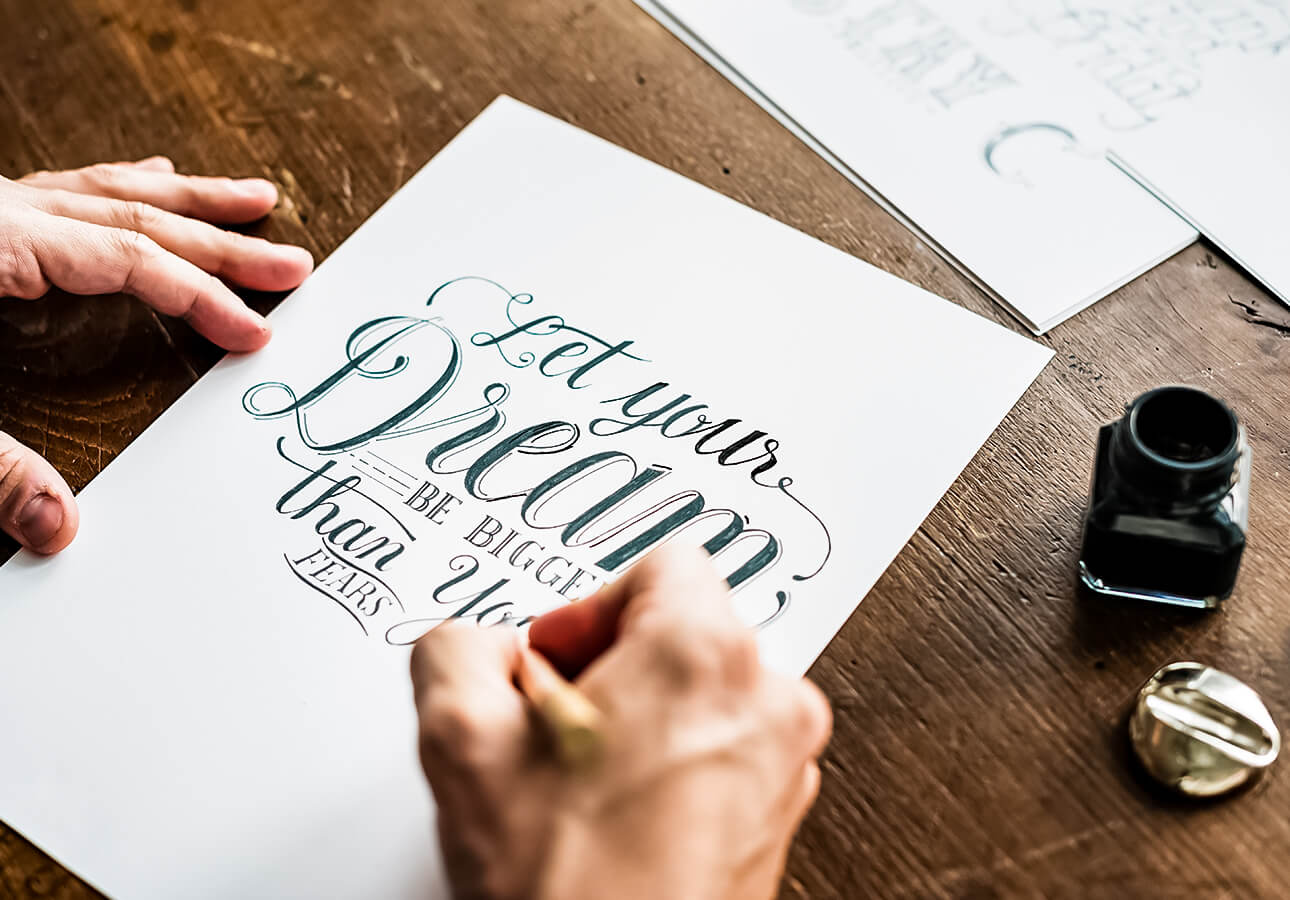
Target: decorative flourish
(484,339)
(543,326)
(784,484)
(783,599)
(353,615)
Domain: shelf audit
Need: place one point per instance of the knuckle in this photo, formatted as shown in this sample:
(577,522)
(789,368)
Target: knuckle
(653,566)
(420,658)
(431,657)
(453,730)
(741,659)
(673,562)
(20,272)
(447,725)
(13,464)
(729,650)
(812,716)
(211,286)
(682,655)
(11,454)
(104,174)
(429,646)
(189,192)
(236,243)
(232,247)
(722,652)
(136,245)
(139,216)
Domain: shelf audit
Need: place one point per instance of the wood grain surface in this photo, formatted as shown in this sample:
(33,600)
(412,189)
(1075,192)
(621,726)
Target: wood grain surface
(979,748)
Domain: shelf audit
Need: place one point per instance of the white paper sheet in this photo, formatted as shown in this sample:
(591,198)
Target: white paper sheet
(1134,63)
(993,166)
(705,52)
(1222,165)
(1190,98)
(195,705)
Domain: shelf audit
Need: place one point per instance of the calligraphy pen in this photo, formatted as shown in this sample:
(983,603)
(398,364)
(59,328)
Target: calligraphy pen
(575,724)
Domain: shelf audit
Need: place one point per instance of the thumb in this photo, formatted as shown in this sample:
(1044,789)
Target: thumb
(36,505)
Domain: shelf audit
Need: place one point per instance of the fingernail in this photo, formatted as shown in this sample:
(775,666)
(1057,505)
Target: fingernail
(266,330)
(296,254)
(40,520)
(254,187)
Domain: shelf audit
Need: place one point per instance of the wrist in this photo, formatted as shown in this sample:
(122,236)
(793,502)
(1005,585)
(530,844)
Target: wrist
(627,857)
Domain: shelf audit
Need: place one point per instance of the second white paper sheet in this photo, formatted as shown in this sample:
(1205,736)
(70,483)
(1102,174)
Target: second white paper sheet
(541,357)
(1189,97)
(1221,163)
(1001,169)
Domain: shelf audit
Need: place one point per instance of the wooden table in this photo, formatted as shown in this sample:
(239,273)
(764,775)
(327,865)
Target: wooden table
(979,747)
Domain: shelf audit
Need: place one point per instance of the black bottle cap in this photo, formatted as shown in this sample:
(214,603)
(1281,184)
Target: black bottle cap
(1176,446)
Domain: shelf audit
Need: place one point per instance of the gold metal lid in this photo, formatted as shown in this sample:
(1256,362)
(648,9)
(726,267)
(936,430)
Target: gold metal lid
(1201,731)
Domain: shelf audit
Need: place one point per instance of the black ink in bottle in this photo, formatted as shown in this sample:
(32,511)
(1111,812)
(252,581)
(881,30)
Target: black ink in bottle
(1167,516)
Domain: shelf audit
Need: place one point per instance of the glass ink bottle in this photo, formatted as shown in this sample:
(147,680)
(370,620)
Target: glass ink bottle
(1168,509)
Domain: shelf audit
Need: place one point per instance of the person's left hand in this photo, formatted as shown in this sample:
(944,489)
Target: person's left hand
(141,229)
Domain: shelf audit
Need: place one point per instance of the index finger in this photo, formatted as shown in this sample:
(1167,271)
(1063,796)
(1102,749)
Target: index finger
(214,199)
(249,261)
(90,259)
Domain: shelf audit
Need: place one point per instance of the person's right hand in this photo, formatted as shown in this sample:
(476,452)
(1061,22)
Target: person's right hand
(141,229)
(709,759)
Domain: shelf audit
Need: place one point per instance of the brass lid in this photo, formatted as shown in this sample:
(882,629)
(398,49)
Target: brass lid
(1201,731)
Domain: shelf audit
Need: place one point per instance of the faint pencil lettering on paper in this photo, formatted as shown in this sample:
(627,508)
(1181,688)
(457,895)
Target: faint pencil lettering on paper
(910,42)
